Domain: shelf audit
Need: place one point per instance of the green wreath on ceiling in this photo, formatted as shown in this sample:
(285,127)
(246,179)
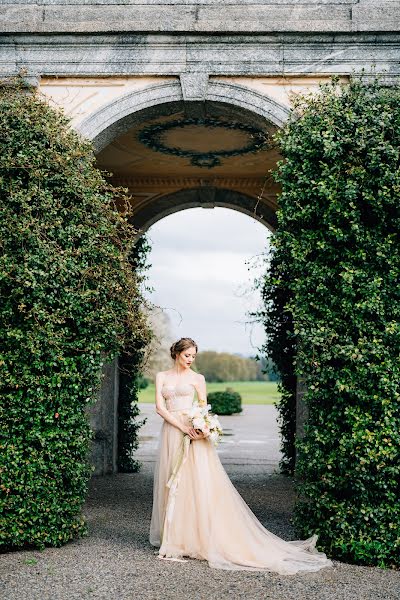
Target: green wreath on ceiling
(151,137)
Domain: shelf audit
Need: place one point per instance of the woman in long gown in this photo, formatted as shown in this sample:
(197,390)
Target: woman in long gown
(197,512)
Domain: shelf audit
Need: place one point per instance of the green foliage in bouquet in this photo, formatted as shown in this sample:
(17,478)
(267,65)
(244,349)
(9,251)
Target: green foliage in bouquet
(227,402)
(337,255)
(70,302)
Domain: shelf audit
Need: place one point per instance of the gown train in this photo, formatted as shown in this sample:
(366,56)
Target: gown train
(197,512)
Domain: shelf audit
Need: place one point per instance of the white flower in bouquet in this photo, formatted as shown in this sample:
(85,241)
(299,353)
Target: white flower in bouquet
(205,422)
(213,422)
(214,437)
(199,423)
(196,411)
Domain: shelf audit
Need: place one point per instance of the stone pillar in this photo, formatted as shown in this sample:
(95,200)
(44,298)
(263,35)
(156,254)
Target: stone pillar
(103,418)
(301,409)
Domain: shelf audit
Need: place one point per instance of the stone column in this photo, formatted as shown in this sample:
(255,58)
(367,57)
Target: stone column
(103,417)
(301,409)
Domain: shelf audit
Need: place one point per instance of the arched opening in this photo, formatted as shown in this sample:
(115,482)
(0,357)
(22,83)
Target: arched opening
(174,155)
(203,286)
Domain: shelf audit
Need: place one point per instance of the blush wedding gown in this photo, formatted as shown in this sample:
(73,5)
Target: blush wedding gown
(197,512)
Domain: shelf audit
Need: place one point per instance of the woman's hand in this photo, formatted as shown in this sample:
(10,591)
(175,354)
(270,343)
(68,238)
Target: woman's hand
(192,433)
(201,435)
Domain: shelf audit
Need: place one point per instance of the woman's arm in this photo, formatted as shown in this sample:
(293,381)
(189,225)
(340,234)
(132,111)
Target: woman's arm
(165,414)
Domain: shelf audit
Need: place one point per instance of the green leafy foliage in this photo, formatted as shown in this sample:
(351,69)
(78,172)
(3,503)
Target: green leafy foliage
(131,379)
(227,402)
(338,244)
(70,302)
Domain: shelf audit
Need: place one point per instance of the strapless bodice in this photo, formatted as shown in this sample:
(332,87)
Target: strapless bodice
(178,397)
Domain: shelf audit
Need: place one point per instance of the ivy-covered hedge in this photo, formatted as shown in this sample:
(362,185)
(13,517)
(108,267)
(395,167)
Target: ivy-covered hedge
(69,302)
(338,240)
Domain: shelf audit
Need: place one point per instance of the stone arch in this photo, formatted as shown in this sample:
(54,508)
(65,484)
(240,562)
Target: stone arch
(118,116)
(220,99)
(207,197)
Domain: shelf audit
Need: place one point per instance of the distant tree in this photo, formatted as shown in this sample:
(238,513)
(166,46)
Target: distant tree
(266,369)
(158,356)
(223,366)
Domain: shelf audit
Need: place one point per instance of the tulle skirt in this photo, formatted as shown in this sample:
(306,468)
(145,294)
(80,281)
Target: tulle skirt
(197,512)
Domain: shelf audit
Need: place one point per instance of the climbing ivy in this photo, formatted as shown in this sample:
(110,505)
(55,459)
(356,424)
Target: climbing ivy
(70,302)
(337,256)
(130,362)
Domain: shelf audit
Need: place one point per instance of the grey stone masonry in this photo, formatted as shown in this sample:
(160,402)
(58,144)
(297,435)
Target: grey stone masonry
(103,418)
(206,16)
(151,54)
(90,38)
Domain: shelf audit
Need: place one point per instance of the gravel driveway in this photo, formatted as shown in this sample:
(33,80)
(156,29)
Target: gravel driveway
(116,561)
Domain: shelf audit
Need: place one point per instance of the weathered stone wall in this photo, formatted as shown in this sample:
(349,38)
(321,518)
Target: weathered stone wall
(244,16)
(217,37)
(103,418)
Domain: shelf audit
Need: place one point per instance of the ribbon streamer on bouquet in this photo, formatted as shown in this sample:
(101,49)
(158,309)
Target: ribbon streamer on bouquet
(180,459)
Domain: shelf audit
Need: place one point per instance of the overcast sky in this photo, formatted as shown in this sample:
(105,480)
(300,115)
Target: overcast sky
(201,278)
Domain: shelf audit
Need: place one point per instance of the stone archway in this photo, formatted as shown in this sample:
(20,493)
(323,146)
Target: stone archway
(176,150)
(203,197)
(193,93)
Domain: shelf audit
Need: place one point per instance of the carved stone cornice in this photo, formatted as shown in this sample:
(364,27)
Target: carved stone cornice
(266,54)
(150,194)
(146,189)
(172,183)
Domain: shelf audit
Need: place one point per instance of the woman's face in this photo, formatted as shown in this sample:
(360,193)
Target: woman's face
(186,357)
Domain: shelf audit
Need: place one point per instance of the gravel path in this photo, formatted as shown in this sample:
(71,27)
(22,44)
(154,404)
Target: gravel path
(116,561)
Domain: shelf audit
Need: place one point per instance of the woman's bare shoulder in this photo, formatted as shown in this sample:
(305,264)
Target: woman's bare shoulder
(199,378)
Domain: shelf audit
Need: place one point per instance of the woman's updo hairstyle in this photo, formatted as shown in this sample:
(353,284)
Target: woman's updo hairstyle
(181,345)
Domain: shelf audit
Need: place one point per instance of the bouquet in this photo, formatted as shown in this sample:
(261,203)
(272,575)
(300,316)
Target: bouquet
(206,422)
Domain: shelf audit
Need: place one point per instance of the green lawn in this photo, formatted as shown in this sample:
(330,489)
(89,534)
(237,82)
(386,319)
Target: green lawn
(252,392)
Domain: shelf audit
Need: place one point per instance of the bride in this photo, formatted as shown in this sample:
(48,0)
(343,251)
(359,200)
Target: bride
(197,511)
